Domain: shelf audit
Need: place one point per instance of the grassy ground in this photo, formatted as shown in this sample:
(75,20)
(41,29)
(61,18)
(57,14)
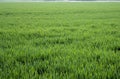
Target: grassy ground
(59,40)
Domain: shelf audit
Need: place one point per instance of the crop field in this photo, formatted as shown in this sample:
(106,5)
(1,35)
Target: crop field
(60,40)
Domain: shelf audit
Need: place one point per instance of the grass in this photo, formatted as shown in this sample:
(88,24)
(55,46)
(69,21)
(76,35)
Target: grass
(60,40)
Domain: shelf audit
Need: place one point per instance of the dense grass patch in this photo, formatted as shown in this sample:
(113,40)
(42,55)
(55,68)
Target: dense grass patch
(59,40)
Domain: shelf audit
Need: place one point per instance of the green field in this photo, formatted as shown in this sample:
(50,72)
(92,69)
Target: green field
(60,40)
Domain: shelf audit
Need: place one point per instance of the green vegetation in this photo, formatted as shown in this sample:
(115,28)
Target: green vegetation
(59,40)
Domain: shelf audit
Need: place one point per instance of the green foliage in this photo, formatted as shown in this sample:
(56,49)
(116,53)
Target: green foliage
(59,40)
